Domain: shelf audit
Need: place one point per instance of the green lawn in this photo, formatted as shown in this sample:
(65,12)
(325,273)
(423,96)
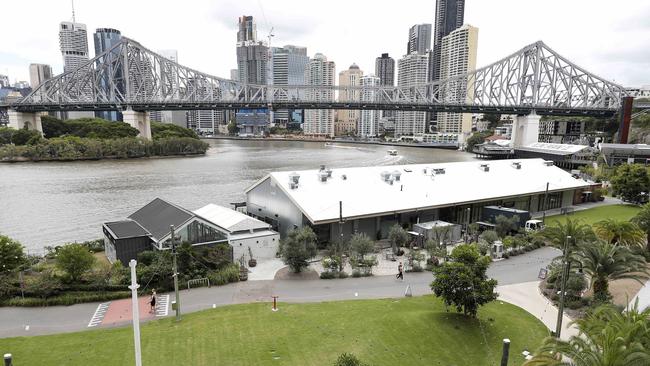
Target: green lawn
(405,331)
(593,215)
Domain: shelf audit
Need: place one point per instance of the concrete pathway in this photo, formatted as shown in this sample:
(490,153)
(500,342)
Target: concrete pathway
(265,270)
(60,319)
(527,296)
(643,296)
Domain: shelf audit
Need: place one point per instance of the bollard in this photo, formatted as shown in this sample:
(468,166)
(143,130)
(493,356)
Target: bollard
(506,352)
(8,359)
(275,304)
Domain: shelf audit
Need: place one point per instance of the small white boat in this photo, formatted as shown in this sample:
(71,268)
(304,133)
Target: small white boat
(392,152)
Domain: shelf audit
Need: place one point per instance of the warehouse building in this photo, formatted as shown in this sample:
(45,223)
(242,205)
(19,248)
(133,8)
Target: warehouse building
(372,199)
(149,229)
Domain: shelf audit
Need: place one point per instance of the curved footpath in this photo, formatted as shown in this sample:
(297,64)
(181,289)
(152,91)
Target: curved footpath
(517,276)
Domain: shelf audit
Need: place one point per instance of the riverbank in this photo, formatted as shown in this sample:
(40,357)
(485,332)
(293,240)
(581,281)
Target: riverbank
(335,141)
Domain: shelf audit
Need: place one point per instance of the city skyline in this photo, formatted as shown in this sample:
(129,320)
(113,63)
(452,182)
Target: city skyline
(624,62)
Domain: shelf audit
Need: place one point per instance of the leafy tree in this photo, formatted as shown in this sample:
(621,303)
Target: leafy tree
(165,130)
(441,234)
(629,181)
(504,225)
(398,237)
(5,135)
(12,256)
(232,128)
(607,337)
(337,248)
(476,139)
(298,247)
(489,236)
(75,259)
(434,249)
(348,359)
(361,245)
(576,229)
(53,127)
(25,137)
(605,262)
(218,256)
(473,231)
(619,232)
(494,119)
(642,219)
(463,281)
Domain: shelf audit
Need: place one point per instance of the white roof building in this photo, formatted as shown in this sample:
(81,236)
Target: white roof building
(382,190)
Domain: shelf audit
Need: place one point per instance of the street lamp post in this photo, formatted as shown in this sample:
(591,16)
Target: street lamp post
(175,275)
(136,313)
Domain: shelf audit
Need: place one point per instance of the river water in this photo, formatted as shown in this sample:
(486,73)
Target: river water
(50,203)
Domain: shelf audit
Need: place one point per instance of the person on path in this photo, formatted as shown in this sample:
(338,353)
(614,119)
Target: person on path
(152,301)
(400,272)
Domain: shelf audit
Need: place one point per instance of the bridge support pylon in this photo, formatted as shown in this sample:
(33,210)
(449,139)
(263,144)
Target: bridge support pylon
(525,130)
(140,121)
(20,120)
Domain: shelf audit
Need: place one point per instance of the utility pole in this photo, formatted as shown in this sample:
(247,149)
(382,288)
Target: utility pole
(175,275)
(545,195)
(341,221)
(565,275)
(469,211)
(136,313)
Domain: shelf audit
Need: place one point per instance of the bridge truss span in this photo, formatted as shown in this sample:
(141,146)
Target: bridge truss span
(129,76)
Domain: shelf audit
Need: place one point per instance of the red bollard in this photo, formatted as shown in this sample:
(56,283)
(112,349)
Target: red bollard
(275,303)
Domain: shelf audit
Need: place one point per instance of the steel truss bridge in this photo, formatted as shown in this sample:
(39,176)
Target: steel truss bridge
(129,76)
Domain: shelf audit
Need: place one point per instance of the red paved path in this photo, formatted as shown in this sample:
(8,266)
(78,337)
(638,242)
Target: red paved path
(119,311)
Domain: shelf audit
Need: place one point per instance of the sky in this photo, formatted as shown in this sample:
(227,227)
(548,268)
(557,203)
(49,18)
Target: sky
(607,38)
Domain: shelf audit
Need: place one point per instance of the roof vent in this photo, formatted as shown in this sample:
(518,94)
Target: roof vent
(424,170)
(485,167)
(293,185)
(548,163)
(385,176)
(294,177)
(322,167)
(439,170)
(397,175)
(516,165)
(322,176)
(329,173)
(344,177)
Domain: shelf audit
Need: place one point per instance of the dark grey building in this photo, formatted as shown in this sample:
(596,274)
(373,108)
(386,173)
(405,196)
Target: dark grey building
(450,15)
(385,69)
(419,39)
(105,39)
(252,56)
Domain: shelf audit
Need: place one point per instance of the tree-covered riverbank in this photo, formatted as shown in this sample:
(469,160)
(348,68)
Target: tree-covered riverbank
(93,139)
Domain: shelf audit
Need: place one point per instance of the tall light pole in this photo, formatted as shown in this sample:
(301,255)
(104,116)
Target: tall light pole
(175,275)
(544,213)
(136,313)
(565,275)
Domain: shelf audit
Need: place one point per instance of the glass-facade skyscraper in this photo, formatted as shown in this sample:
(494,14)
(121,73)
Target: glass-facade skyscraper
(105,39)
(450,15)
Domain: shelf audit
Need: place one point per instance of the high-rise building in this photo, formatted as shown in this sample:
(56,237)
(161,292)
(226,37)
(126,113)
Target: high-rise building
(204,121)
(347,119)
(288,65)
(320,72)
(4,81)
(38,73)
(234,74)
(458,57)
(385,69)
(369,119)
(73,41)
(252,55)
(104,39)
(21,84)
(419,39)
(412,70)
(450,15)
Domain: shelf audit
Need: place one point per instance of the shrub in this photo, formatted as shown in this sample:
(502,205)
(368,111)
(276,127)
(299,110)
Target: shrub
(574,304)
(343,274)
(75,260)
(66,299)
(506,255)
(24,137)
(361,245)
(12,254)
(348,359)
(224,276)
(356,273)
(416,268)
(327,275)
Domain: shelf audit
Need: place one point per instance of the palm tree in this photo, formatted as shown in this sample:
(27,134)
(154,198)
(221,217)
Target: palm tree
(642,219)
(604,262)
(607,338)
(618,231)
(576,229)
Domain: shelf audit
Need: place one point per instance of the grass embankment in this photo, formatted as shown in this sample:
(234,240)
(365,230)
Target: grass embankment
(406,331)
(593,215)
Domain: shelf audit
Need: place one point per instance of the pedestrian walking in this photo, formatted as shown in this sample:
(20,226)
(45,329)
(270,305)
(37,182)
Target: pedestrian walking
(152,301)
(400,272)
